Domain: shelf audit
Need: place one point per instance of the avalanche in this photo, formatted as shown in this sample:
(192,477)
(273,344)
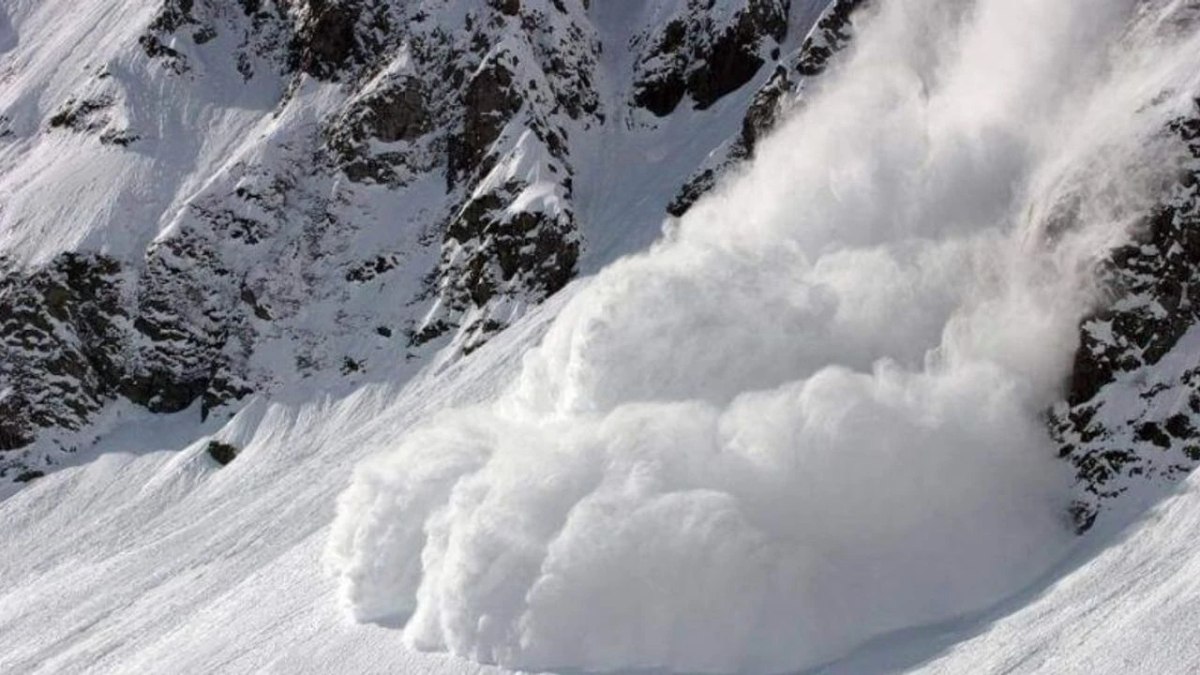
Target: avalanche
(814,413)
(803,431)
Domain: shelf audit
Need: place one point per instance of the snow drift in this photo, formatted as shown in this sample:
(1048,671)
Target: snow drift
(813,413)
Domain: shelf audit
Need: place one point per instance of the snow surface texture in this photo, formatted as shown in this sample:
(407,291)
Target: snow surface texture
(261,228)
(811,415)
(148,557)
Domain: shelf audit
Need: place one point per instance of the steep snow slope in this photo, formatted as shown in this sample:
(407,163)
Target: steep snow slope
(149,557)
(1124,602)
(204,200)
(813,415)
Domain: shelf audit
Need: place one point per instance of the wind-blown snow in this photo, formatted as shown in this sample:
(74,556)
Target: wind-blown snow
(812,414)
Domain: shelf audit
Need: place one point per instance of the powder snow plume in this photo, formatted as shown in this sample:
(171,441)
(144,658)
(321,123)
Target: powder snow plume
(813,413)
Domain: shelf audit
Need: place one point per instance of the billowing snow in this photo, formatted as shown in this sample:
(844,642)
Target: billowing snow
(814,414)
(808,418)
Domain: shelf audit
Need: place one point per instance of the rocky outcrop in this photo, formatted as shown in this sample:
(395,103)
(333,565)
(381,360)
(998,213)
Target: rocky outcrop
(85,115)
(706,51)
(335,39)
(1133,404)
(63,347)
(764,111)
(83,330)
(222,453)
(496,259)
(259,31)
(489,103)
(830,36)
(782,91)
(413,189)
(183,323)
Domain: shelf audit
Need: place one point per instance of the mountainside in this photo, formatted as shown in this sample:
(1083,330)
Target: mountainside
(212,199)
(704,336)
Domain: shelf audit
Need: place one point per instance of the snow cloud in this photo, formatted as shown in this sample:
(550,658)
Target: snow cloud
(812,413)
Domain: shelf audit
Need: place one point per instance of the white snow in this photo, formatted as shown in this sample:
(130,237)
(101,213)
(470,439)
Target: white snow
(1126,601)
(814,414)
(808,418)
(147,557)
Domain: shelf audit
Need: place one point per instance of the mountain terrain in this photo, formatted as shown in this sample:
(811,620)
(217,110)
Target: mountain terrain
(701,336)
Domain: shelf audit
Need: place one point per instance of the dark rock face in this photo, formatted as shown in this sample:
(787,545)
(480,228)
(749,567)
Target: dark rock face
(95,113)
(831,35)
(327,40)
(337,37)
(511,107)
(734,55)
(495,255)
(82,331)
(222,453)
(183,326)
(482,103)
(764,111)
(489,103)
(1154,285)
(81,115)
(173,16)
(264,29)
(784,90)
(705,57)
(62,345)
(663,86)
(398,111)
(399,115)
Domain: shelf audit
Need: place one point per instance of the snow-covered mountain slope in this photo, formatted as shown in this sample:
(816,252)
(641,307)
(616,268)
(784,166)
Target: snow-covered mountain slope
(296,283)
(1122,602)
(150,557)
(207,199)
(831,376)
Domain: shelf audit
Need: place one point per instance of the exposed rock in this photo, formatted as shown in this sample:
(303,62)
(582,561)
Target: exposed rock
(1154,284)
(265,29)
(489,103)
(831,35)
(327,40)
(63,340)
(763,113)
(782,91)
(491,255)
(182,326)
(471,111)
(119,137)
(222,453)
(707,53)
(370,269)
(84,115)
